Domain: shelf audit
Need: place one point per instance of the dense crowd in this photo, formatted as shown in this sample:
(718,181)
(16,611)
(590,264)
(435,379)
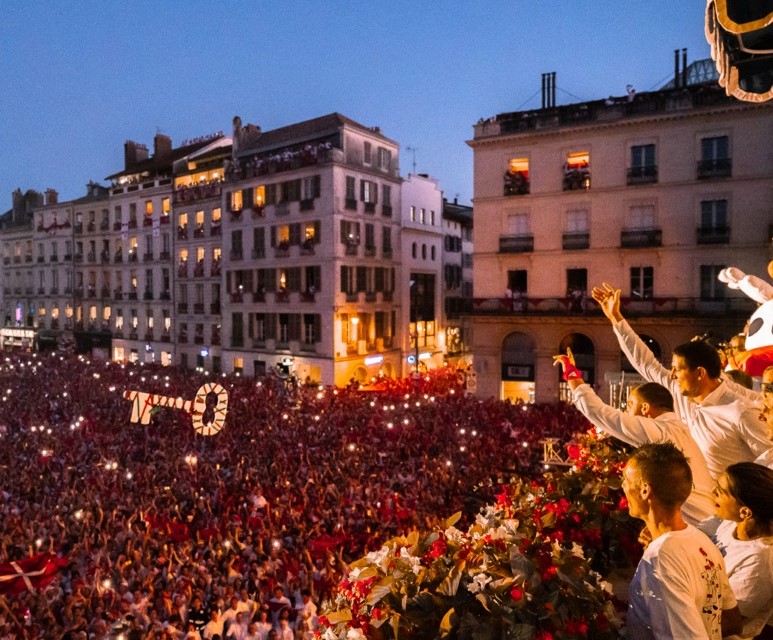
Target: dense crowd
(167,534)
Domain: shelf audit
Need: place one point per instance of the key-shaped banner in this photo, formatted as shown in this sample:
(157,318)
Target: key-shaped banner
(143,403)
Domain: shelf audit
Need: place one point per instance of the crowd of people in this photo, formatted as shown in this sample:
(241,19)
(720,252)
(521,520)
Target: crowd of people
(168,534)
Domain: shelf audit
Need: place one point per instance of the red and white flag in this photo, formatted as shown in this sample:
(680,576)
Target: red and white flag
(30,574)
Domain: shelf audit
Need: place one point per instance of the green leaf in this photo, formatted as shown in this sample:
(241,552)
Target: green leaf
(447,624)
(483,600)
(548,520)
(450,584)
(450,522)
(339,616)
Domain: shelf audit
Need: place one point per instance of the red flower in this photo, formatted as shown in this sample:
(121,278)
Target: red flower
(622,503)
(438,549)
(516,593)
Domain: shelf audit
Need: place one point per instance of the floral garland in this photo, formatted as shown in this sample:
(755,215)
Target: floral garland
(531,566)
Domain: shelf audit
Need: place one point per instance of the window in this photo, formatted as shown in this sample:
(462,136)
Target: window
(715,158)
(351,198)
(413,250)
(714,148)
(236,201)
(367,153)
(711,287)
(714,214)
(370,237)
(310,188)
(642,156)
(148,207)
(258,242)
(518,224)
(517,177)
(386,195)
(577,221)
(432,252)
(642,216)
(258,197)
(517,281)
(641,283)
(577,171)
(350,233)
(386,241)
(368,192)
(384,159)
(422,215)
(412,214)
(347,280)
(166,206)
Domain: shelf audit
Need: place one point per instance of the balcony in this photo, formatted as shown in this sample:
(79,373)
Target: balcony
(236,215)
(258,211)
(282,296)
(182,307)
(713,235)
(182,270)
(386,252)
(387,296)
(182,232)
(198,307)
(54,291)
(165,255)
(91,257)
(632,238)
(282,250)
(214,309)
(575,241)
(28,258)
(104,257)
(716,168)
(259,296)
(197,339)
(516,184)
(132,295)
(370,207)
(147,256)
(165,219)
(641,175)
(370,296)
(41,291)
(351,204)
(91,226)
(67,257)
(386,211)
(351,249)
(281,209)
(576,179)
(370,251)
(104,225)
(133,223)
(147,295)
(78,228)
(118,256)
(236,254)
(307,205)
(216,229)
(117,225)
(236,297)
(132,255)
(165,295)
(41,258)
(182,338)
(198,232)
(147,221)
(516,244)
(118,294)
(54,258)
(198,270)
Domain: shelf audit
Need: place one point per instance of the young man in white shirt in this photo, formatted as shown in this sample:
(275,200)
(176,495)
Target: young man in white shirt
(722,420)
(650,418)
(680,588)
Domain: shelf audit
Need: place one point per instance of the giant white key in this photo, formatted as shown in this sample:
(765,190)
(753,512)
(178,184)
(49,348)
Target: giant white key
(143,403)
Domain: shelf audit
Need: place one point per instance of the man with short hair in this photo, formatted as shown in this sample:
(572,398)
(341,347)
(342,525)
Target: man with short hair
(650,418)
(680,588)
(722,420)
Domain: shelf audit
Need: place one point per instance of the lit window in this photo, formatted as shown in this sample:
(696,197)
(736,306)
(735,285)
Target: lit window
(148,207)
(259,196)
(165,206)
(236,201)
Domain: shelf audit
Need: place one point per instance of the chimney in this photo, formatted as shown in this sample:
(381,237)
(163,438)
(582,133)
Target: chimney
(52,196)
(684,67)
(162,147)
(677,75)
(548,90)
(133,153)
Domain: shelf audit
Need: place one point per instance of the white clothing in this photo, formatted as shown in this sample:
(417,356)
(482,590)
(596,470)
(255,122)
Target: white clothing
(213,627)
(766,459)
(749,565)
(679,589)
(263,629)
(237,631)
(638,430)
(725,425)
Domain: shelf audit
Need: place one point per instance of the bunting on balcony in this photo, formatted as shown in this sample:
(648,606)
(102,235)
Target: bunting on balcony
(740,33)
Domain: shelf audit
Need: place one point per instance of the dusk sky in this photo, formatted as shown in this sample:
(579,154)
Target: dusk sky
(79,78)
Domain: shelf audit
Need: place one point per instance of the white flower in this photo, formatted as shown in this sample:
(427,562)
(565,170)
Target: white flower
(454,535)
(479,583)
(379,557)
(415,561)
(355,634)
(354,573)
(329,634)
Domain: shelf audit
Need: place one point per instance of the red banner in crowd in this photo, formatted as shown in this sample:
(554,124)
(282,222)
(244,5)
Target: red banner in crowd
(29,574)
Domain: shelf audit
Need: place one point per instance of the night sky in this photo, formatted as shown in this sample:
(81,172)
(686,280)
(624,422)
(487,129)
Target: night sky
(80,78)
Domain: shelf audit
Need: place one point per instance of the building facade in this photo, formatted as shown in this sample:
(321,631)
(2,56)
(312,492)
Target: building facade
(311,256)
(653,193)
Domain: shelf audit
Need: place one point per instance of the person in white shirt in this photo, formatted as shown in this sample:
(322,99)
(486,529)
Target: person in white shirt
(214,627)
(650,418)
(766,458)
(722,419)
(237,629)
(680,588)
(744,501)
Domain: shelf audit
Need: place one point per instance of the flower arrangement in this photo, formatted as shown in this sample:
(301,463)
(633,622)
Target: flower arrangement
(530,567)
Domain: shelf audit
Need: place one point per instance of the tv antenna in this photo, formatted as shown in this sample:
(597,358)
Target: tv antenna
(413,151)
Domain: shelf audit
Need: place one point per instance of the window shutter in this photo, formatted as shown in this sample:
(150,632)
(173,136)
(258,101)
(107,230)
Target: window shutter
(273,236)
(247,198)
(317,186)
(317,239)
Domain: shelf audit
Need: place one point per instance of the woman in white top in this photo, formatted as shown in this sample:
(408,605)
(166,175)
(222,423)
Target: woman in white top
(744,501)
